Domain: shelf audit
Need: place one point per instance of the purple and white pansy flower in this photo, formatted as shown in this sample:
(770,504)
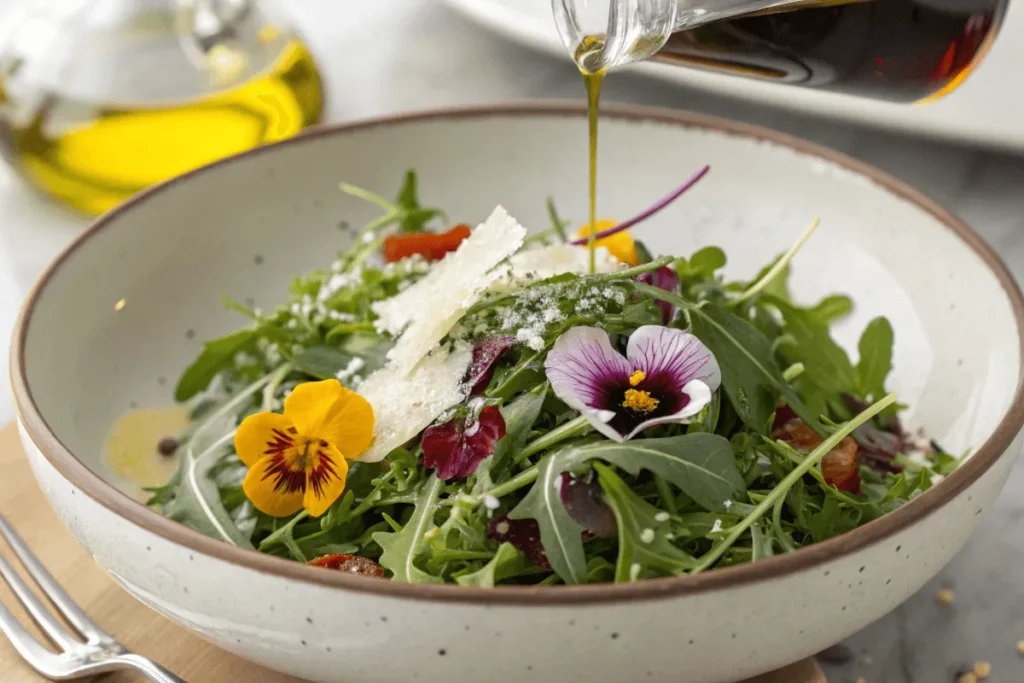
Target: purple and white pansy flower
(667,375)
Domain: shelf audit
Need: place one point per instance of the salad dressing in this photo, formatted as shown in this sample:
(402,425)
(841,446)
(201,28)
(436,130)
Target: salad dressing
(593,80)
(131,450)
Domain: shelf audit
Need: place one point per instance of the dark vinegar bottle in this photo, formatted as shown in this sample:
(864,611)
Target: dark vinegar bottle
(899,50)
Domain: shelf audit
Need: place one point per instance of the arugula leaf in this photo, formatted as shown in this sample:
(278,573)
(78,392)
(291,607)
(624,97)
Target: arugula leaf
(832,308)
(822,357)
(519,418)
(701,465)
(559,533)
(751,379)
(875,349)
(197,502)
(644,542)
(828,372)
(412,216)
(507,562)
(217,355)
(402,548)
(322,362)
(701,265)
(832,520)
(707,260)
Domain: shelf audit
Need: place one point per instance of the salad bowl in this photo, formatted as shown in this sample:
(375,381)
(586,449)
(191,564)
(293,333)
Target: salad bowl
(115,319)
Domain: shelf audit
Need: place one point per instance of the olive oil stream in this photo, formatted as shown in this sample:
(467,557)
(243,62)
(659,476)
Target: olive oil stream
(593,80)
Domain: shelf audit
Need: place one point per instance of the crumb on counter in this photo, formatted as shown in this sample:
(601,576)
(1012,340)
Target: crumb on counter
(946,596)
(969,677)
(861,680)
(982,670)
(1020,646)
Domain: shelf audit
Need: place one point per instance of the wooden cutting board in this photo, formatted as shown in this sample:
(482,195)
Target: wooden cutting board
(136,626)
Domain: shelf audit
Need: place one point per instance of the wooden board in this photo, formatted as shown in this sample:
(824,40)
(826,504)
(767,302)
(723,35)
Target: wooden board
(136,626)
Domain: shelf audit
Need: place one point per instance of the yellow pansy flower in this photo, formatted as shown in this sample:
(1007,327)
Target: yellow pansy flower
(620,245)
(298,460)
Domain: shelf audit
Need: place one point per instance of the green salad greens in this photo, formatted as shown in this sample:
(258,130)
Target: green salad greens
(478,407)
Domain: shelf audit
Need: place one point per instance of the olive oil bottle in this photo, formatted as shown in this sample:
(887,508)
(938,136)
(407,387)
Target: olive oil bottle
(144,106)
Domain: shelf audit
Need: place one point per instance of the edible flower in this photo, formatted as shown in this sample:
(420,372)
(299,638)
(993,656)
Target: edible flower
(430,245)
(667,375)
(457,447)
(486,353)
(298,460)
(663,278)
(522,534)
(619,244)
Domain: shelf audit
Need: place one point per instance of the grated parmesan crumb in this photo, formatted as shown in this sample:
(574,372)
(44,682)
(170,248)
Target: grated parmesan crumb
(634,571)
(350,370)
(491,503)
(647,535)
(661,517)
(727,504)
(717,526)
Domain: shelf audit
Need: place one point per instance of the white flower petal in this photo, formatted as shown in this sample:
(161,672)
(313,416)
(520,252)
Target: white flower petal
(661,350)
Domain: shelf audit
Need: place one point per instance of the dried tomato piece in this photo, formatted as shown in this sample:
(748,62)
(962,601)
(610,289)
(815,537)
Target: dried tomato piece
(839,466)
(351,564)
(430,245)
(523,534)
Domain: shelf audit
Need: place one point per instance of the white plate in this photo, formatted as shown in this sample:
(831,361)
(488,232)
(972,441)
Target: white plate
(987,110)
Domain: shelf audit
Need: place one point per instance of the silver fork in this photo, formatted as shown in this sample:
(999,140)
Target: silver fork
(88,653)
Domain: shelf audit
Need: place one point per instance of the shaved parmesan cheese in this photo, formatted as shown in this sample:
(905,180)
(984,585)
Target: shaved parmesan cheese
(545,262)
(404,404)
(430,308)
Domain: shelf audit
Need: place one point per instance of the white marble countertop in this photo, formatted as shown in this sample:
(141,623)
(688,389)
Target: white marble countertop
(397,55)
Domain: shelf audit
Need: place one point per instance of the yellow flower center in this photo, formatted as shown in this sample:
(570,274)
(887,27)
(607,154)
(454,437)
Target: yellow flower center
(637,377)
(639,401)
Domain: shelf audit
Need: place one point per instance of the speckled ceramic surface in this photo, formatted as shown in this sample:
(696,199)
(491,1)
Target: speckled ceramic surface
(245,227)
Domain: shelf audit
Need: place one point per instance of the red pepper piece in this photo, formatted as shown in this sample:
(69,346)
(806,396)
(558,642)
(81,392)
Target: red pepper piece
(431,246)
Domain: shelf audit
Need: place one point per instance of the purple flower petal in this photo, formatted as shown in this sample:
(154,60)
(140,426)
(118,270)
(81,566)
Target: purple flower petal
(647,213)
(584,501)
(486,353)
(456,448)
(672,355)
(523,534)
(664,278)
(584,371)
(668,376)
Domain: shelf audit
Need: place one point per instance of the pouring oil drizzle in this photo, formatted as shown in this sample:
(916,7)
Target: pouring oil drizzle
(593,79)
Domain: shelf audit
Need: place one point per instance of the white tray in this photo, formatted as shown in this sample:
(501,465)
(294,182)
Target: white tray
(987,110)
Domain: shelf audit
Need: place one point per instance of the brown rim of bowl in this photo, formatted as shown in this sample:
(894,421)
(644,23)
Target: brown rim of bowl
(803,559)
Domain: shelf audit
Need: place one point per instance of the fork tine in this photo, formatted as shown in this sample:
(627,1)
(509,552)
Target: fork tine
(60,599)
(28,647)
(50,625)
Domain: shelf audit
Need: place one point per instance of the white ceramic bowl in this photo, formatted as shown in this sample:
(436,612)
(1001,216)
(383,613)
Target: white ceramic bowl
(170,253)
